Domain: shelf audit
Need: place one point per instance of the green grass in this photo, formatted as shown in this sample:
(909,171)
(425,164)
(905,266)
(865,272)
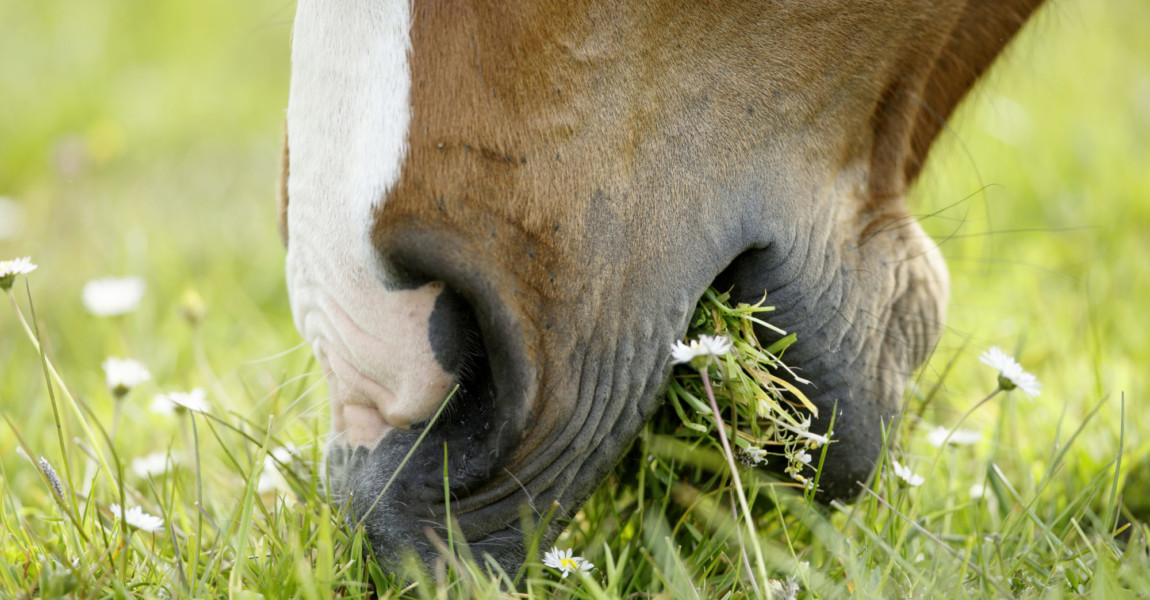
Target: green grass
(143,139)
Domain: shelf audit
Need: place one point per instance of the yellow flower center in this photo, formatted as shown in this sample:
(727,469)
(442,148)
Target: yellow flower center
(568,564)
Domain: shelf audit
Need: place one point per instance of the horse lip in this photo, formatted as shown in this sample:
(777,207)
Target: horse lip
(376,408)
(403,529)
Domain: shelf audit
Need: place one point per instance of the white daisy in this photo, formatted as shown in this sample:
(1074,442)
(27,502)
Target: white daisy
(113,296)
(11,218)
(195,401)
(136,517)
(904,473)
(977,491)
(156,463)
(271,479)
(9,269)
(563,561)
(706,346)
(1010,373)
(960,437)
(123,374)
(283,454)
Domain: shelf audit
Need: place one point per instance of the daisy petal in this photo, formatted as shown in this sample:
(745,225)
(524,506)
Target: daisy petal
(706,346)
(1010,374)
(959,437)
(136,517)
(123,374)
(113,296)
(9,269)
(904,473)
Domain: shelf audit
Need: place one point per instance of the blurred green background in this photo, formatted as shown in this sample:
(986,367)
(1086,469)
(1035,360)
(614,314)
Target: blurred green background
(143,138)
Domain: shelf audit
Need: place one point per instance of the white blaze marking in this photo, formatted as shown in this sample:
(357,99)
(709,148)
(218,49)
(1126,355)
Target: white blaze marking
(348,116)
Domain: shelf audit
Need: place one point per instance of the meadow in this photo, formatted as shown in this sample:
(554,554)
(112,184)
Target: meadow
(143,139)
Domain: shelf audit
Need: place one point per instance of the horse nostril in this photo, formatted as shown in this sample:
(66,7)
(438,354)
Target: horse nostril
(478,333)
(453,331)
(458,345)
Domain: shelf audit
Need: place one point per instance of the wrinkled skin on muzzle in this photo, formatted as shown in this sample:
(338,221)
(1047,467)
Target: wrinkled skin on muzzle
(526,200)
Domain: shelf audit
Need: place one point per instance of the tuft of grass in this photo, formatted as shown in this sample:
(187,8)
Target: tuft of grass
(764,411)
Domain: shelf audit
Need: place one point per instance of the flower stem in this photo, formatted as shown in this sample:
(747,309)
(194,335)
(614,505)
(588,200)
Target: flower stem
(968,413)
(79,414)
(116,410)
(54,375)
(743,546)
(734,473)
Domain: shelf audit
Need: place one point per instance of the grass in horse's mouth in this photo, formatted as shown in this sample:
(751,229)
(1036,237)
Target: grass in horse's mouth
(749,401)
(762,409)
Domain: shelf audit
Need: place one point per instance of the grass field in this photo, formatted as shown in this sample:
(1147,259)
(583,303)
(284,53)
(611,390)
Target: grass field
(143,139)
